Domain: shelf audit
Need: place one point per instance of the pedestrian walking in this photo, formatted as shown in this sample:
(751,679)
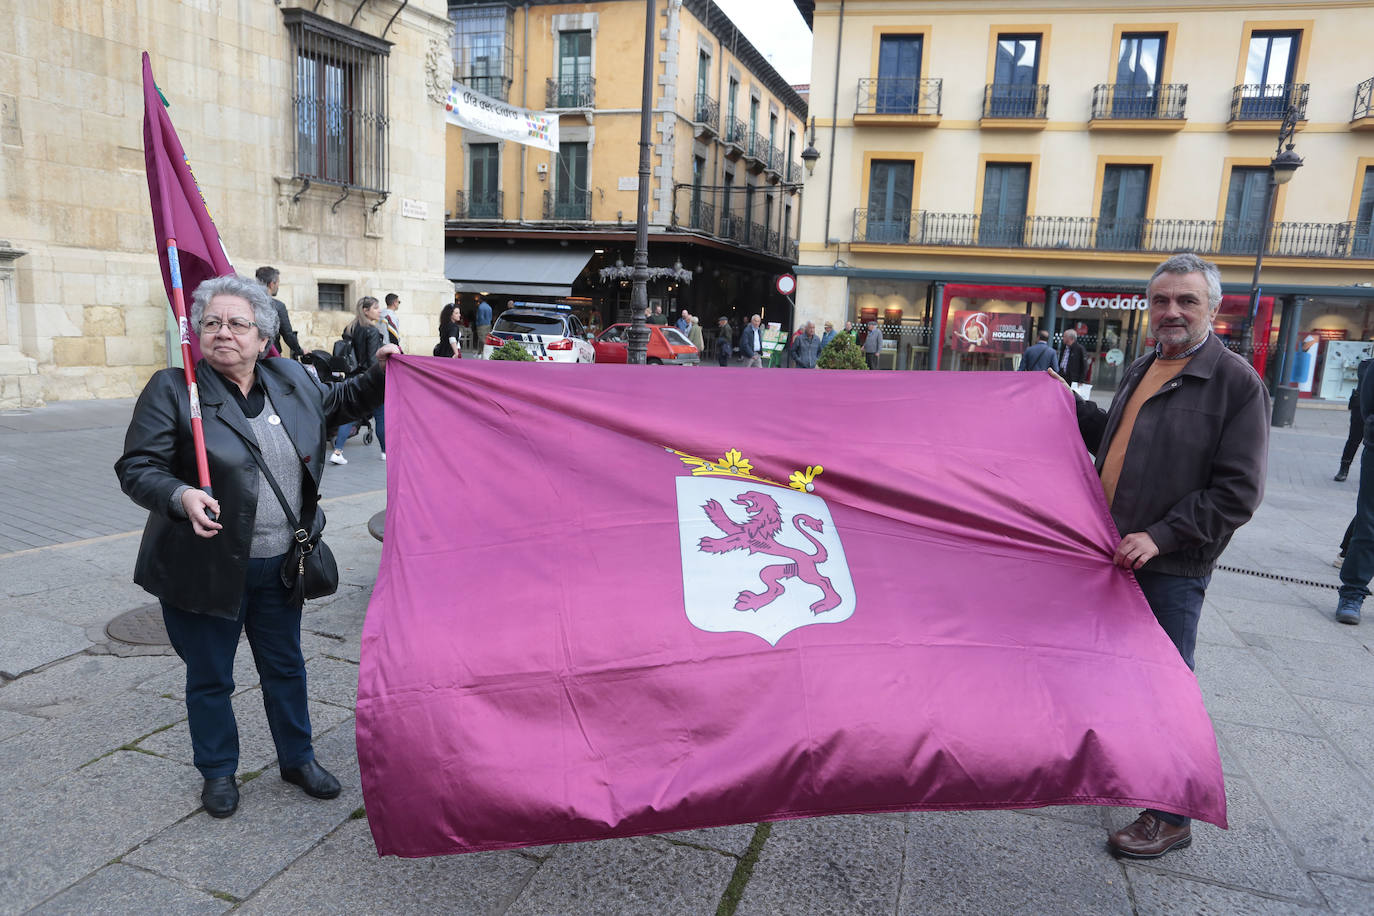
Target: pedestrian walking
(1358,548)
(1039,356)
(1182,454)
(751,342)
(366,337)
(1356,434)
(722,344)
(807,348)
(828,334)
(694,335)
(684,321)
(450,331)
(1073,359)
(391,331)
(270,278)
(873,343)
(481,324)
(216,563)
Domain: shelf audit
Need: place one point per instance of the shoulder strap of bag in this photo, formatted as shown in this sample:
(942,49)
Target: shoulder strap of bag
(301,536)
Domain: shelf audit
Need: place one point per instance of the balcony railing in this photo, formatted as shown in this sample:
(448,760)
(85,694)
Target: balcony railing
(757,237)
(1005,100)
(701,216)
(1075,233)
(706,111)
(575,93)
(899,95)
(570,204)
(736,132)
(790,250)
(1364,100)
(774,243)
(775,161)
(731,227)
(489,205)
(759,149)
(1268,101)
(1164,102)
(794,173)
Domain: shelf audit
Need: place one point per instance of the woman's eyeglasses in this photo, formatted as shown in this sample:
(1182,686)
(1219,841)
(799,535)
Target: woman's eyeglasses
(237,326)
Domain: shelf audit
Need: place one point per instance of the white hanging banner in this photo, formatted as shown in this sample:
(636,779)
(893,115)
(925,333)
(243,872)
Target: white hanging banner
(474,111)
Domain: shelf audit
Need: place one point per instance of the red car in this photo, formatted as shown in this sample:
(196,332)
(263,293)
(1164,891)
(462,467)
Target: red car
(667,346)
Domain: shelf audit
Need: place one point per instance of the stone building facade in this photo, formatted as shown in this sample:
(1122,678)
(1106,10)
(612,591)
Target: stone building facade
(316,133)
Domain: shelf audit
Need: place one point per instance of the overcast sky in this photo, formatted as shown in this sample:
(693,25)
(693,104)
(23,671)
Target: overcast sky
(778,31)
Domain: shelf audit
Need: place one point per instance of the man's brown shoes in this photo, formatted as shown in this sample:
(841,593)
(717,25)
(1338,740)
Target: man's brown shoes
(1148,837)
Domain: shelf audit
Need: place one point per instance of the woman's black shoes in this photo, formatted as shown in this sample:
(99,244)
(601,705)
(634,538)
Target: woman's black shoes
(220,796)
(313,778)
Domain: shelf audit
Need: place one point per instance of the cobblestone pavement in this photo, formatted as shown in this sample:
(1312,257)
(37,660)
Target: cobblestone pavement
(99,804)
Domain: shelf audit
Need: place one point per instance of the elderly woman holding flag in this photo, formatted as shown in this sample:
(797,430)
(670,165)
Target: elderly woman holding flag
(215,562)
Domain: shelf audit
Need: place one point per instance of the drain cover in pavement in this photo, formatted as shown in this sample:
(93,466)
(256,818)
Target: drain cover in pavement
(140,627)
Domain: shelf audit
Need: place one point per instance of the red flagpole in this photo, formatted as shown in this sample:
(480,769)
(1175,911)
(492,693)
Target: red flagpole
(188,366)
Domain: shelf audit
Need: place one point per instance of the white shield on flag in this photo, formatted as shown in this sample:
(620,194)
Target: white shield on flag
(759,559)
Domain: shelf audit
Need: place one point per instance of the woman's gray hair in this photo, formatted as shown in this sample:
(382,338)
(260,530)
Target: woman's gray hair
(1188,263)
(264,315)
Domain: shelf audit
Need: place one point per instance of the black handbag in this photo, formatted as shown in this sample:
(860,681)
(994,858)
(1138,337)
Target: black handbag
(309,570)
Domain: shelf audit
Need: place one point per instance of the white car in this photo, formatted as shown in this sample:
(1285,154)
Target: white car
(549,335)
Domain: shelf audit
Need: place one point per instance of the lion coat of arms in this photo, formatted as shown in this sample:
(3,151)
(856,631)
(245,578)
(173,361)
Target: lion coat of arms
(758,556)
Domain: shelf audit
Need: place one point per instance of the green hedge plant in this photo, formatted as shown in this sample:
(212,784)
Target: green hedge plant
(512,351)
(842,353)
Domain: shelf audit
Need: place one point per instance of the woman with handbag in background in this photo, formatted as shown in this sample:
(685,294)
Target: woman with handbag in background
(246,557)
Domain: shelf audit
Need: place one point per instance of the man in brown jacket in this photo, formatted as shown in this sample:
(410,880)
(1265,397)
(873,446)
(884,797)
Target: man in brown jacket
(1182,454)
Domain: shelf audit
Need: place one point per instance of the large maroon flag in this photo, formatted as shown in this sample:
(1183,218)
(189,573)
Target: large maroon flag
(616,601)
(179,210)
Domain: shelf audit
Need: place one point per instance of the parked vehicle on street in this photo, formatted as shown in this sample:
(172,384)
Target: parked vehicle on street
(667,346)
(548,334)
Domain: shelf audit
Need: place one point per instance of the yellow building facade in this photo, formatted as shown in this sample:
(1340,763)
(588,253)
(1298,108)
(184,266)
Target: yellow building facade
(1036,160)
(528,224)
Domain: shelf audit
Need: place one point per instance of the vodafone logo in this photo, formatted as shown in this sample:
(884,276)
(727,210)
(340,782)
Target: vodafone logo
(1072,301)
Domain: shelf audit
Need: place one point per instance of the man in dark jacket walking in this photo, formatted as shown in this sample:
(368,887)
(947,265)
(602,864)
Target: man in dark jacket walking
(1358,567)
(1073,359)
(1039,356)
(270,277)
(1182,454)
(807,347)
(723,348)
(1352,441)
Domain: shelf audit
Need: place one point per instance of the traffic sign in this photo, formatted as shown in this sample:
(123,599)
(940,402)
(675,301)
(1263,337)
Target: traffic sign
(787,284)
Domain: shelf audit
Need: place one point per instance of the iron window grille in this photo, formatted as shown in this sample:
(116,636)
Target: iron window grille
(332,297)
(340,103)
(1364,100)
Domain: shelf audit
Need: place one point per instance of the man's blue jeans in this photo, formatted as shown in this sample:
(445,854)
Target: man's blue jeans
(208,644)
(1177,603)
(1358,567)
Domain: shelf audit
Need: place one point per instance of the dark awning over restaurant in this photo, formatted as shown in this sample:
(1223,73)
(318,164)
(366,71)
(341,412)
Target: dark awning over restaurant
(515,271)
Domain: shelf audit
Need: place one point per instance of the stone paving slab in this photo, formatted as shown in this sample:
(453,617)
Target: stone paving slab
(92,603)
(276,824)
(1349,727)
(1007,862)
(1345,896)
(1157,892)
(626,877)
(1306,783)
(32,641)
(37,572)
(75,682)
(16,723)
(344,875)
(55,837)
(148,893)
(330,680)
(1238,688)
(1293,621)
(850,864)
(62,746)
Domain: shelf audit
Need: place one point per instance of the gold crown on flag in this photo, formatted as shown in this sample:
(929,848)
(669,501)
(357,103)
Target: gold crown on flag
(734,464)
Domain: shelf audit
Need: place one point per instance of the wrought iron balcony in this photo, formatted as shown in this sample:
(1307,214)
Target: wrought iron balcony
(1364,100)
(701,215)
(758,150)
(757,237)
(575,93)
(1268,101)
(570,204)
(794,173)
(775,161)
(1075,233)
(489,205)
(706,112)
(899,95)
(791,251)
(774,244)
(1165,101)
(735,133)
(1005,100)
(731,227)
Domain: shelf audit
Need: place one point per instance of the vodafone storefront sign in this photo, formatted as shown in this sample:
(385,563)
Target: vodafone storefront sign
(1072,301)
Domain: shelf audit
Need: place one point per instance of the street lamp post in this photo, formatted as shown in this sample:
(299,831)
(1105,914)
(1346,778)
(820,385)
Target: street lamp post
(639,284)
(1281,169)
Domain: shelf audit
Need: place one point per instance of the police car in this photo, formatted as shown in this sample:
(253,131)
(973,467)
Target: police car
(548,333)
